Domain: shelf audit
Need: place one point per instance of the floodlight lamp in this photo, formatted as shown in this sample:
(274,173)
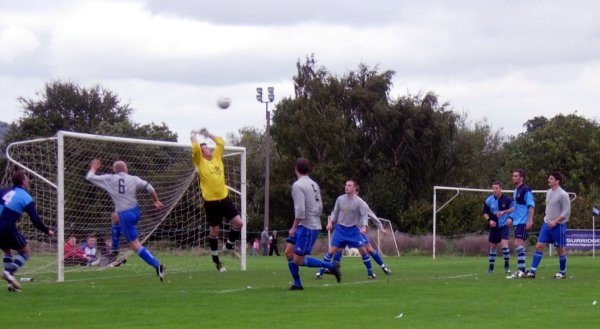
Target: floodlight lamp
(271,91)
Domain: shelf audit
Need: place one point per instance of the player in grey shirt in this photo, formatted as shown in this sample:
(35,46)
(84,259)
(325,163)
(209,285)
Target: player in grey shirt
(308,207)
(554,228)
(368,247)
(350,219)
(122,189)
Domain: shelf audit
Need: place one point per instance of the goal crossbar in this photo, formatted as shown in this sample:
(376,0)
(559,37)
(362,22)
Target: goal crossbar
(457,191)
(54,169)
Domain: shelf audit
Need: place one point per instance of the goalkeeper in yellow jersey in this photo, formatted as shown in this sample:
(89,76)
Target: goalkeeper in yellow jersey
(209,166)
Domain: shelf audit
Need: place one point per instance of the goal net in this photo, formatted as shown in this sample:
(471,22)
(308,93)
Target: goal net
(73,207)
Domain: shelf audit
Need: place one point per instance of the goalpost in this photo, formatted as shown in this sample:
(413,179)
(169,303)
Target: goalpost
(72,206)
(457,191)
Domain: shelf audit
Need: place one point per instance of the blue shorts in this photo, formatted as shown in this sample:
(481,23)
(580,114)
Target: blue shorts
(128,220)
(556,235)
(303,240)
(498,234)
(12,240)
(365,238)
(521,232)
(347,236)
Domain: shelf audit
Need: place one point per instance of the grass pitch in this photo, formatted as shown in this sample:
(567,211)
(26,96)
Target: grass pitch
(449,292)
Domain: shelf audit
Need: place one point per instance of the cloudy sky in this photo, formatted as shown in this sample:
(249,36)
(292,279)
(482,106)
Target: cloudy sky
(504,61)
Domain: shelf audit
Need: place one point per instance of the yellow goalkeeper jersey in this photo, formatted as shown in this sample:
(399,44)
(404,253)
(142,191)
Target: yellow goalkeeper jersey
(211,172)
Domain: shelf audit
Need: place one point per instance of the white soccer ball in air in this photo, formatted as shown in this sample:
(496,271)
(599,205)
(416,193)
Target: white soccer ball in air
(223,102)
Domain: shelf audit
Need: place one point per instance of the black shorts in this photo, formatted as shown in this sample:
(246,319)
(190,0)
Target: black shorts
(219,209)
(12,240)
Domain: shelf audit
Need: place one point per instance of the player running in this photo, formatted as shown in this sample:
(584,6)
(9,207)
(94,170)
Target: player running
(369,248)
(308,207)
(349,216)
(13,202)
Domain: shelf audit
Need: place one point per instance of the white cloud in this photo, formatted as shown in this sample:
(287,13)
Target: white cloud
(507,61)
(16,41)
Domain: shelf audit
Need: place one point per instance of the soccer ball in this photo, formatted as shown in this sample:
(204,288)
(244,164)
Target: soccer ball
(223,102)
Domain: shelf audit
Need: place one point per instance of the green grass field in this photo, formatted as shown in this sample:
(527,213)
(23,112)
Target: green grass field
(449,292)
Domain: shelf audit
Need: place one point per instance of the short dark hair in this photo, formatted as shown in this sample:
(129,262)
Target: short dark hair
(497,182)
(303,166)
(556,175)
(202,144)
(19,177)
(521,172)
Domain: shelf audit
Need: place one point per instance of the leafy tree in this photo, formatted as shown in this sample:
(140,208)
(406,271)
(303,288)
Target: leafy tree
(67,106)
(350,128)
(567,143)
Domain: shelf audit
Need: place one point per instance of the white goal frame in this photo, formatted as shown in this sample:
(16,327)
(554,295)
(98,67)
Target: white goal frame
(59,186)
(457,191)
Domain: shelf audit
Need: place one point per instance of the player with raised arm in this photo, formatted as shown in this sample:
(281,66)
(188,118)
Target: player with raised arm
(308,207)
(14,201)
(554,229)
(123,188)
(369,248)
(211,174)
(495,213)
(521,218)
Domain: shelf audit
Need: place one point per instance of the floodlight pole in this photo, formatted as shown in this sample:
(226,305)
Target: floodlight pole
(271,97)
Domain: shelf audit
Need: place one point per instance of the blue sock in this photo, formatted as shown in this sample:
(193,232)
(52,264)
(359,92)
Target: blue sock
(295,271)
(377,258)
(326,259)
(147,257)
(337,257)
(313,262)
(521,258)
(19,261)
(562,261)
(367,261)
(506,254)
(9,265)
(492,259)
(115,234)
(537,258)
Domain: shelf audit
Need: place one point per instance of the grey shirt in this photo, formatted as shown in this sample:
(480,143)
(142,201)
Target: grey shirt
(349,211)
(308,204)
(371,215)
(121,187)
(558,203)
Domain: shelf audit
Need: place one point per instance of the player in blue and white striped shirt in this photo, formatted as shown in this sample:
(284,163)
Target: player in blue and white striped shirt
(14,201)
(495,212)
(521,217)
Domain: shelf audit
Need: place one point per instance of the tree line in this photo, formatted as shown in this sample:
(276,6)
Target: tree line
(350,127)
